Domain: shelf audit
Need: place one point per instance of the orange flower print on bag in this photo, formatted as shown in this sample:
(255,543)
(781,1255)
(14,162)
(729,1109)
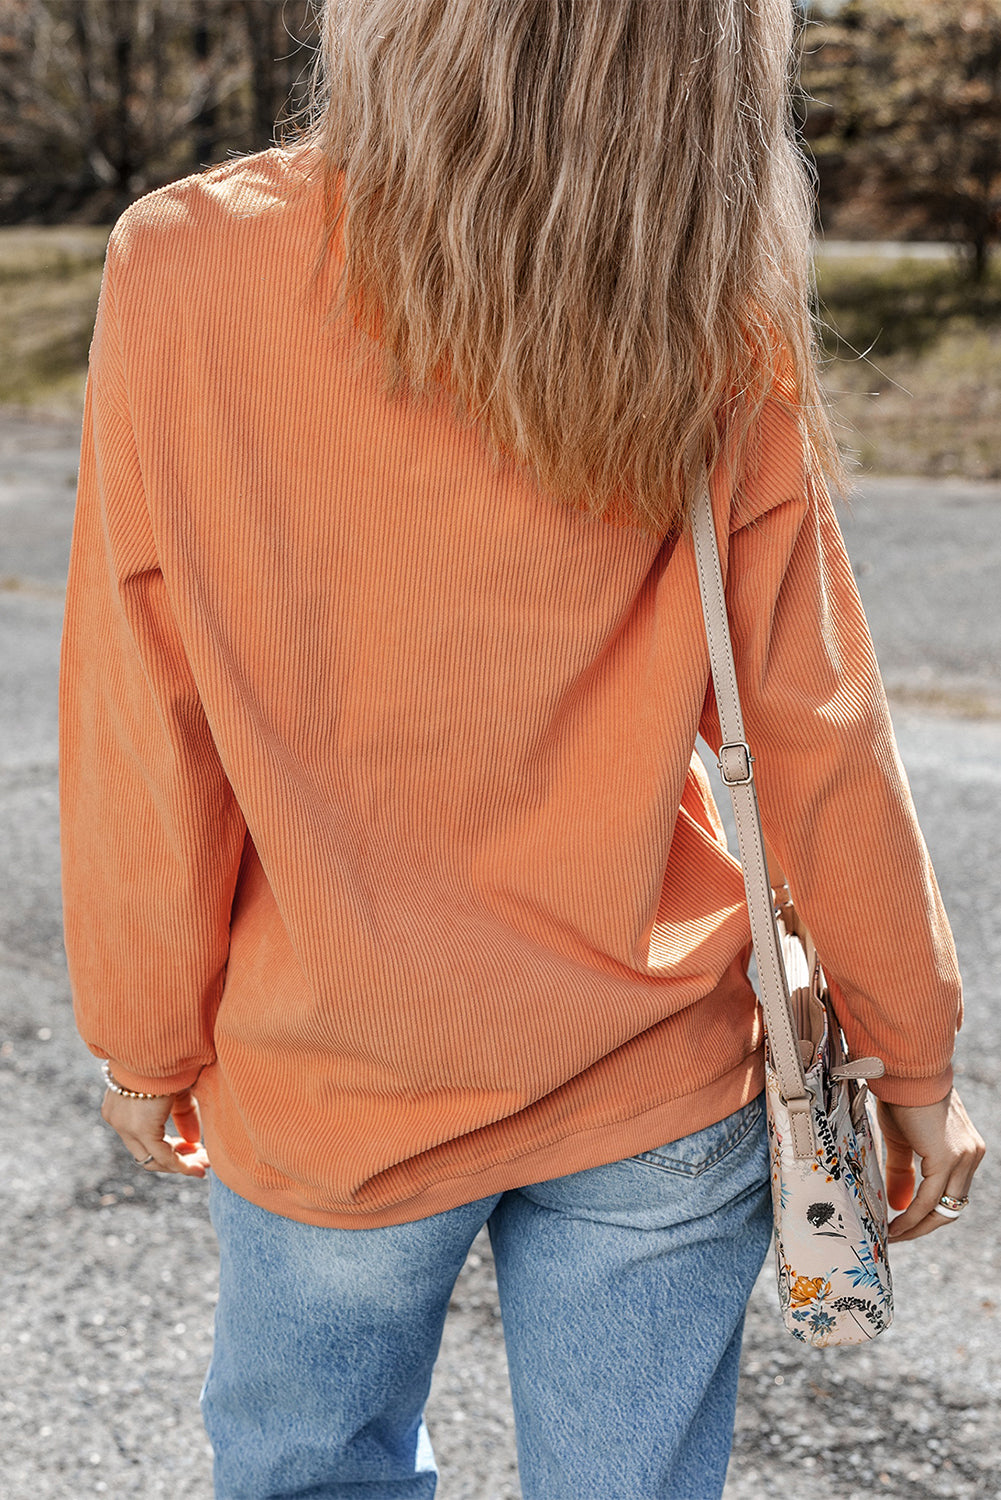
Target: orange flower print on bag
(804,1290)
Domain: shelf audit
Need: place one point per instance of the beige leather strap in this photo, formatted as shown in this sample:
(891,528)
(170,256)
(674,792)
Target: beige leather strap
(736,765)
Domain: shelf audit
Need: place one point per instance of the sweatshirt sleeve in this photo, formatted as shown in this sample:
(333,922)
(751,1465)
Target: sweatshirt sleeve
(151,833)
(835,803)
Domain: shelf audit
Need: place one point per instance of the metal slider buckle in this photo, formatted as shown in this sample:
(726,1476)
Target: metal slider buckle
(748,774)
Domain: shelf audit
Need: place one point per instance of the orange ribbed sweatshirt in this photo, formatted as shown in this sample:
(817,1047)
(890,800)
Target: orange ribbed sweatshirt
(380,815)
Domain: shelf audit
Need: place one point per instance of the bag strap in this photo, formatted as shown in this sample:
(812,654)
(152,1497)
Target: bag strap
(736,767)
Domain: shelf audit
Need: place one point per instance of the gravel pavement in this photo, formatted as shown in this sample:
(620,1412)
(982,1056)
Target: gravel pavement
(108,1274)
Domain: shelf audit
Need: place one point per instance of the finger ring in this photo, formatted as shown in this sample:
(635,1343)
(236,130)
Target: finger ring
(950,1208)
(145,1161)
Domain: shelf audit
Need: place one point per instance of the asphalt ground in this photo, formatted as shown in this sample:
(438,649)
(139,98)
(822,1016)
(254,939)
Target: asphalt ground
(108,1274)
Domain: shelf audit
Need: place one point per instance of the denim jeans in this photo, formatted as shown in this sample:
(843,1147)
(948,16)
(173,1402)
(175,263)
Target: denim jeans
(622,1289)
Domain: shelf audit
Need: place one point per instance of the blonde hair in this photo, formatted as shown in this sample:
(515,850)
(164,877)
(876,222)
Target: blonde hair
(586,218)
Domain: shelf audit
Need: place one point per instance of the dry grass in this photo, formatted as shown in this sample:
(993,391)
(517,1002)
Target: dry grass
(926,400)
(49,281)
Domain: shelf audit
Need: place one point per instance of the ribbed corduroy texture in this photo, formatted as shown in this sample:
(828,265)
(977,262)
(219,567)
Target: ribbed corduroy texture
(379,813)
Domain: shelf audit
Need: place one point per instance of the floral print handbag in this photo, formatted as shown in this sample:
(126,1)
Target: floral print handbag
(826,1152)
(829,1207)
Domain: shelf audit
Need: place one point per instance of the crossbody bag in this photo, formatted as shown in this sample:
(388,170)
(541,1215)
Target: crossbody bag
(828,1195)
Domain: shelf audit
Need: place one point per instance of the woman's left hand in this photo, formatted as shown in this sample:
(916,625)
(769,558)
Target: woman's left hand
(141,1123)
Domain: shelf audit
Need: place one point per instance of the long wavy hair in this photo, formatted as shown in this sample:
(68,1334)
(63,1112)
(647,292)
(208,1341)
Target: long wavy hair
(588,220)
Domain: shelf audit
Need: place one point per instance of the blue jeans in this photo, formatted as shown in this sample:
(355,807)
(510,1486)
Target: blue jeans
(622,1291)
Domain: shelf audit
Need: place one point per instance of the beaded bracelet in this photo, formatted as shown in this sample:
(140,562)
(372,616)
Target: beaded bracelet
(116,1088)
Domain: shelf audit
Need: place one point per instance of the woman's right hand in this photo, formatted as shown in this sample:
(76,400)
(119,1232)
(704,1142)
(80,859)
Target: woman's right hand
(942,1138)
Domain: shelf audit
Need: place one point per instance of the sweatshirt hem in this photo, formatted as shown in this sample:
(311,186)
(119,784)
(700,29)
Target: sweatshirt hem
(595,1146)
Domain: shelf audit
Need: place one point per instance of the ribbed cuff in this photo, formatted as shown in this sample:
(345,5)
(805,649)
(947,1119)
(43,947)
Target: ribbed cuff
(913,1091)
(151,1083)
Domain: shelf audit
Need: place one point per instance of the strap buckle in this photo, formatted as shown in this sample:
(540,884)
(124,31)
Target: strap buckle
(735,756)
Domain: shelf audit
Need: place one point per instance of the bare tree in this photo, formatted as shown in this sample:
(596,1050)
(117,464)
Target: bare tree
(102,99)
(907,114)
(281,39)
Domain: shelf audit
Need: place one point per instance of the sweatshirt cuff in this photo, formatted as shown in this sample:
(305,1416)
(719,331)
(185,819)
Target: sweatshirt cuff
(151,1083)
(913,1091)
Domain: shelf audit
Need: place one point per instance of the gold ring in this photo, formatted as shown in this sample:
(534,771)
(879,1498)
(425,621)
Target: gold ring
(950,1208)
